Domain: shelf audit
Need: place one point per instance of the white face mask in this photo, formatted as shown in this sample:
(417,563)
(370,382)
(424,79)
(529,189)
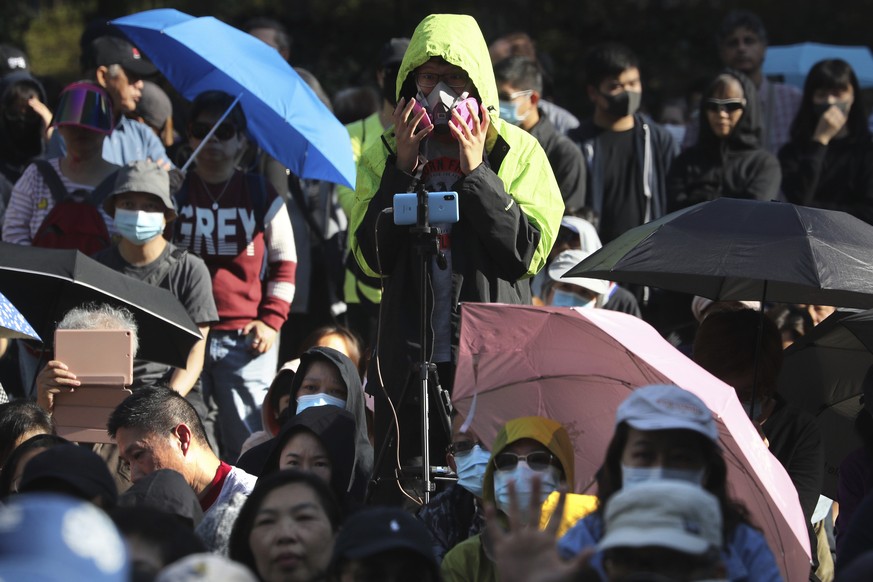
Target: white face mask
(631,476)
(139,226)
(471,469)
(522,475)
(310,400)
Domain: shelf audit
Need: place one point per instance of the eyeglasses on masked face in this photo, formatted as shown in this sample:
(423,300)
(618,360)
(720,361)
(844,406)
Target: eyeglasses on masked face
(455,80)
(224,132)
(462,447)
(537,461)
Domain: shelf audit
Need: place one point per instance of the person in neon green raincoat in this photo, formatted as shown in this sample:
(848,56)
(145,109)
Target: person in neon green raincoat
(510,209)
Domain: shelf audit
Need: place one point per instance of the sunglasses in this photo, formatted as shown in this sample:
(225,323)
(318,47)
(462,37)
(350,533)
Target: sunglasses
(224,132)
(537,461)
(729,105)
(462,447)
(454,80)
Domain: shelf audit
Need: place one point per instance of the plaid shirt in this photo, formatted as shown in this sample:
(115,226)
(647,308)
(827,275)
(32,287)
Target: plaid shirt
(451,517)
(779,105)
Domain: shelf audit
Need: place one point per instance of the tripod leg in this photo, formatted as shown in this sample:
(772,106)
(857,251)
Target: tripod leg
(443,404)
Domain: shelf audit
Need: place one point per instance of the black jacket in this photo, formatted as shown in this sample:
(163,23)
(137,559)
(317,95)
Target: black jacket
(566,161)
(736,167)
(838,176)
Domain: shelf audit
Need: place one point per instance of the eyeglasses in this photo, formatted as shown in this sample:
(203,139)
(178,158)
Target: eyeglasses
(457,80)
(224,132)
(462,447)
(728,105)
(537,461)
(514,96)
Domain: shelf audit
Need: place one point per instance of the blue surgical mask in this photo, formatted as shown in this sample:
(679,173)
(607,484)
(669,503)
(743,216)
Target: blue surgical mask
(138,226)
(631,476)
(567,299)
(310,400)
(523,476)
(471,469)
(509,113)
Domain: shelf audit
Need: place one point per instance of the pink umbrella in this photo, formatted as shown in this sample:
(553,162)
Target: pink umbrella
(577,366)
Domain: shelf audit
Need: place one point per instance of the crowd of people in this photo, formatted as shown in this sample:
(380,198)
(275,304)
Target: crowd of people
(290,445)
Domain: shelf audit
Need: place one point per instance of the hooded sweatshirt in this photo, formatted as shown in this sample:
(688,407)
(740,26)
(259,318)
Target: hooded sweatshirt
(469,560)
(735,167)
(510,206)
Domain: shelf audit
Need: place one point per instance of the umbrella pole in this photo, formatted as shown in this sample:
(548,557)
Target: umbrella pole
(209,135)
(759,342)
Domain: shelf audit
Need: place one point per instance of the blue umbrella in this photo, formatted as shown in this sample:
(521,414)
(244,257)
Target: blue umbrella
(793,62)
(12,323)
(284,115)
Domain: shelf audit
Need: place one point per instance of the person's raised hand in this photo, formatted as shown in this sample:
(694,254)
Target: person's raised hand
(829,125)
(260,335)
(409,134)
(471,140)
(41,109)
(54,379)
(524,553)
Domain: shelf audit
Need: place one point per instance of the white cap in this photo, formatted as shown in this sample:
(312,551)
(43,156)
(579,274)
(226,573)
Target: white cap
(588,239)
(666,407)
(665,513)
(569,259)
(700,306)
(206,568)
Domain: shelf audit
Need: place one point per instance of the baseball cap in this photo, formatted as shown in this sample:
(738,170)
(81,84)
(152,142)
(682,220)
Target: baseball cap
(53,538)
(165,490)
(569,259)
(12,59)
(84,105)
(112,50)
(669,514)
(205,568)
(78,468)
(142,176)
(154,106)
(589,240)
(665,407)
(382,529)
(392,52)
(700,306)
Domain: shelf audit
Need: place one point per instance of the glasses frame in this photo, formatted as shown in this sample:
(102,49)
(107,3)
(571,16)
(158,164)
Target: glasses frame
(440,78)
(454,450)
(727,105)
(552,461)
(220,132)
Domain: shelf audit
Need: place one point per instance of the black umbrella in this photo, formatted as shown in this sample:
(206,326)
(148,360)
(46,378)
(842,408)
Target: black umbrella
(46,283)
(731,249)
(824,373)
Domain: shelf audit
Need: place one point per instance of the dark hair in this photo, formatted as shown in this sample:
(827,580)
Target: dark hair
(741,19)
(158,530)
(216,103)
(520,72)
(156,409)
(355,103)
(352,339)
(608,60)
(283,37)
(40,441)
(829,74)
(727,343)
(239,548)
(609,476)
(17,418)
(790,319)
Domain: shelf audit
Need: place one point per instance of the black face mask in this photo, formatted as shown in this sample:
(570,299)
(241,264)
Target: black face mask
(24,135)
(624,103)
(819,108)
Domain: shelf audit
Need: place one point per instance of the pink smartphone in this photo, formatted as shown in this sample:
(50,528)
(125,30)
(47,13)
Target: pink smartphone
(102,360)
(425,121)
(464,111)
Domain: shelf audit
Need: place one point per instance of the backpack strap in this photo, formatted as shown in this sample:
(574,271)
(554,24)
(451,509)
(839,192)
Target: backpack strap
(103,189)
(162,271)
(52,180)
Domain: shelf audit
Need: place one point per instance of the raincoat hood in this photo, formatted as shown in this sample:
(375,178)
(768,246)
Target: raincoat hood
(747,133)
(547,432)
(354,401)
(335,428)
(457,39)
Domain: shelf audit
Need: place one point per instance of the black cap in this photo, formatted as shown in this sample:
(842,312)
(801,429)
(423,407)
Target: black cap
(112,50)
(392,52)
(79,469)
(12,59)
(167,491)
(382,529)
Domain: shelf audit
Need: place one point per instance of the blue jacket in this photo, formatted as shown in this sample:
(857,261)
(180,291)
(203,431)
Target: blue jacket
(747,557)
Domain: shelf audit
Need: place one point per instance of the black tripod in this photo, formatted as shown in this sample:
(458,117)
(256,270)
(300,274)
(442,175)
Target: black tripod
(426,241)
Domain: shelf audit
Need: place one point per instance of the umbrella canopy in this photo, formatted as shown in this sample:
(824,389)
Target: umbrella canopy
(284,115)
(13,325)
(824,373)
(46,283)
(577,366)
(794,61)
(745,250)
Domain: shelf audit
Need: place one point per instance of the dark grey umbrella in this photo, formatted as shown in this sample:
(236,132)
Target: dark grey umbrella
(731,249)
(46,283)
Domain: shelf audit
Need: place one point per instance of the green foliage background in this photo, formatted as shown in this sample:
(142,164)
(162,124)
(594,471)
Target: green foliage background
(338,39)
